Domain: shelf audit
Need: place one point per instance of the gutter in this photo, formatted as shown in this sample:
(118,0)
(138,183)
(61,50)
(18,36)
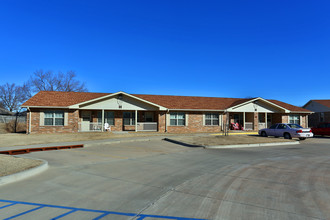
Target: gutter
(29,128)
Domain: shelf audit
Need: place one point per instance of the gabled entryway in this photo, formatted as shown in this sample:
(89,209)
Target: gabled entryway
(118,112)
(254,114)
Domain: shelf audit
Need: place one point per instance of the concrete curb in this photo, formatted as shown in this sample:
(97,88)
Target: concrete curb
(24,174)
(250,145)
(116,142)
(231,146)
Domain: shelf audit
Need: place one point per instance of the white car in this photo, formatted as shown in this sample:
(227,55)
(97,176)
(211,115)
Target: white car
(287,131)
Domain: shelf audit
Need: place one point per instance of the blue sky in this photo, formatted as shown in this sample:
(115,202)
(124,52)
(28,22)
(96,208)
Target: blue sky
(272,49)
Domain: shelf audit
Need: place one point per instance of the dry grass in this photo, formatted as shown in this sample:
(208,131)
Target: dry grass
(8,140)
(10,127)
(3,128)
(228,140)
(10,164)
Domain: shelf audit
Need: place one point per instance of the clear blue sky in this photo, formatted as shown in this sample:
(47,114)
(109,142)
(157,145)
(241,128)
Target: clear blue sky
(272,49)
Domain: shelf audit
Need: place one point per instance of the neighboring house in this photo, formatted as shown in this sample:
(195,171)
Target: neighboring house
(5,112)
(5,115)
(81,111)
(321,109)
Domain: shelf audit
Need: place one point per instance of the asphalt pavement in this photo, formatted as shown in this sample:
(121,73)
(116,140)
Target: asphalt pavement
(156,179)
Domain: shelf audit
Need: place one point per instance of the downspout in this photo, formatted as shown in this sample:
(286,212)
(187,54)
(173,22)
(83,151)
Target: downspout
(29,128)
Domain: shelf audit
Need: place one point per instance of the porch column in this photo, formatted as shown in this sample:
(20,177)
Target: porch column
(266,119)
(221,122)
(306,121)
(243,120)
(135,120)
(102,120)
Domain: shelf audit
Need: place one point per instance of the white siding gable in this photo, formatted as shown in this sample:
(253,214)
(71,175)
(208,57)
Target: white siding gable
(112,103)
(317,107)
(259,106)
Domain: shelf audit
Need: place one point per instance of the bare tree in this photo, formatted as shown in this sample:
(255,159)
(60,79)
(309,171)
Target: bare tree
(12,96)
(49,81)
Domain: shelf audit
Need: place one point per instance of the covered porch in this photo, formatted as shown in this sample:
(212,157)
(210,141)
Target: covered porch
(119,112)
(108,120)
(250,120)
(255,114)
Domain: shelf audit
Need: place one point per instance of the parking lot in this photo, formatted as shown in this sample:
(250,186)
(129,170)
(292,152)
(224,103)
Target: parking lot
(161,180)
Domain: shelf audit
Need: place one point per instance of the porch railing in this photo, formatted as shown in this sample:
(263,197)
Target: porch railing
(93,126)
(147,126)
(248,126)
(262,125)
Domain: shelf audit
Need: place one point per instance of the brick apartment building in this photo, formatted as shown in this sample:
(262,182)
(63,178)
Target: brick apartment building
(50,112)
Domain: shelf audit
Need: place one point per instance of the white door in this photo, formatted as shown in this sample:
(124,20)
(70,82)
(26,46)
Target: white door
(86,120)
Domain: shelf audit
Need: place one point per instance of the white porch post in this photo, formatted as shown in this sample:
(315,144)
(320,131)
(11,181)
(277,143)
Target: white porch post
(102,120)
(266,120)
(135,120)
(244,120)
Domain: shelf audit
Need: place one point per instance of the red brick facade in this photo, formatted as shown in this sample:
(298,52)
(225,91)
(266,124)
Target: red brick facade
(71,127)
(194,122)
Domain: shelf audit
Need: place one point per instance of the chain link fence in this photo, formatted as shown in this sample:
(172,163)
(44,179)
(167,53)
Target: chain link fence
(8,118)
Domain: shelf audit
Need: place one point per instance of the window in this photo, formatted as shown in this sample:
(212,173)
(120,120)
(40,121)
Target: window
(321,116)
(129,118)
(54,118)
(109,117)
(177,119)
(282,126)
(212,119)
(294,119)
(295,126)
(273,126)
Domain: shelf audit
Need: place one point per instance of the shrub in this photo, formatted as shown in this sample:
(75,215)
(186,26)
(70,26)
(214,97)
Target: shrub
(20,127)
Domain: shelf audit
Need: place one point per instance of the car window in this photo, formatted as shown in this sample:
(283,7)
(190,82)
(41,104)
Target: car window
(294,126)
(322,125)
(273,126)
(282,126)
(328,125)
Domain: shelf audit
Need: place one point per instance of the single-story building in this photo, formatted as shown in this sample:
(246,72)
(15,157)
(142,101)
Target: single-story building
(50,111)
(321,109)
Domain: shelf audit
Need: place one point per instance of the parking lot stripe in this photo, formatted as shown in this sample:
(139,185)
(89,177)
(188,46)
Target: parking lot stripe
(14,203)
(72,210)
(23,213)
(65,214)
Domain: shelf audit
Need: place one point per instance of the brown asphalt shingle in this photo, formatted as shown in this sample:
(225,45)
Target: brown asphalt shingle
(63,99)
(325,102)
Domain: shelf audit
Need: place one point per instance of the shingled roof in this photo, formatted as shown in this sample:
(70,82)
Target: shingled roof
(65,99)
(325,102)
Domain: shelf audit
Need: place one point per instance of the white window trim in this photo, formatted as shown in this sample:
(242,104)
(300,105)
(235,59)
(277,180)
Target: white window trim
(53,112)
(185,119)
(211,125)
(99,119)
(131,119)
(294,119)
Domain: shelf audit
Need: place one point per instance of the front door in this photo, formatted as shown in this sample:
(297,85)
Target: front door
(149,116)
(86,120)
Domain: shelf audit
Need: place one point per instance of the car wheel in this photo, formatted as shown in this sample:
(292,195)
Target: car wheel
(264,134)
(302,139)
(287,136)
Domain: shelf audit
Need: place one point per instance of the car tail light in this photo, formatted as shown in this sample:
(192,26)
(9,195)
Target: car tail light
(310,131)
(299,131)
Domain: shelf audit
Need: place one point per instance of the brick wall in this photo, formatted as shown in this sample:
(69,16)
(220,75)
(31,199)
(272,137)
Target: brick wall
(72,126)
(161,119)
(195,124)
